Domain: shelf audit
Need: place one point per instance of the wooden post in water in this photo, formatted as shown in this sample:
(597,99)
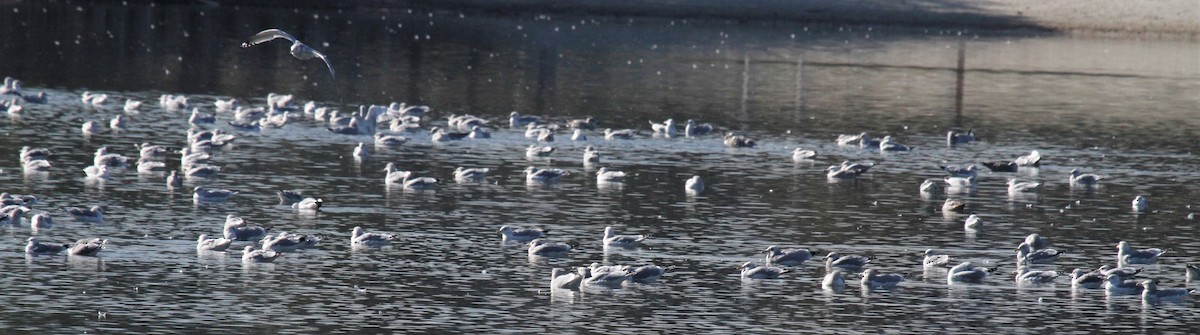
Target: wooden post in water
(959,73)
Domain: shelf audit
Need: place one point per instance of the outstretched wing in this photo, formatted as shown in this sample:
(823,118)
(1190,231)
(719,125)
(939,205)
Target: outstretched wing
(267,35)
(326,59)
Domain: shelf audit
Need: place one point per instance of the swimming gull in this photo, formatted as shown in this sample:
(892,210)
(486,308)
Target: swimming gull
(94,214)
(478,132)
(848,262)
(958,171)
(204,194)
(394,175)
(788,257)
(1151,292)
(691,128)
(41,221)
(11,86)
(694,185)
(1083,179)
(308,204)
(32,154)
(1140,204)
(536,175)
(934,258)
(440,134)
(203,243)
(1025,275)
(534,151)
(1114,285)
(244,232)
(173,181)
(1192,272)
(590,155)
(871,278)
(1128,255)
(289,197)
(171,102)
(954,137)
(833,280)
(801,155)
(546,136)
(516,120)
(469,175)
(96,172)
(951,205)
(197,117)
(646,274)
(250,255)
(1017,187)
(360,152)
(521,234)
(1081,278)
(34,247)
(973,222)
(578,135)
(604,175)
(359,237)
(299,50)
(846,139)
(1026,255)
(750,270)
(588,123)
(667,128)
(623,134)
(145,165)
(890,144)
(1124,272)
(131,105)
(285,242)
(966,272)
(603,279)
(540,247)
(739,141)
(562,279)
(1001,166)
(87,247)
(960,183)
(612,239)
(1032,159)
(930,186)
(39,98)
(597,268)
(1036,241)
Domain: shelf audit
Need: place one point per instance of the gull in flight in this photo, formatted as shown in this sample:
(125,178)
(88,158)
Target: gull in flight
(299,50)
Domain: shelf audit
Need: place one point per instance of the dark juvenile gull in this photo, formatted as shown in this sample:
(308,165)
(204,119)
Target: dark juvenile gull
(739,141)
(646,274)
(299,50)
(87,247)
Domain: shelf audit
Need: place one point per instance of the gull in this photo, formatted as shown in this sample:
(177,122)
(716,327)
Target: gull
(34,247)
(102,157)
(415,183)
(39,98)
(394,175)
(149,166)
(646,274)
(604,175)
(545,136)
(1036,241)
(534,151)
(590,155)
(851,139)
(149,151)
(1081,179)
(299,50)
(935,259)
(94,214)
(1128,255)
(597,268)
(1081,278)
(1151,292)
(754,271)
(131,105)
(232,220)
(848,262)
(1018,187)
(691,128)
(197,117)
(96,172)
(203,243)
(952,205)
(308,204)
(1192,272)
(611,239)
(37,165)
(973,222)
(543,248)
(203,170)
(789,256)
(957,171)
(1114,285)
(953,137)
(243,232)
(90,127)
(1124,272)
(666,128)
(96,100)
(226,105)
(739,141)
(1026,255)
(562,279)
(1001,166)
(842,172)
(1024,275)
(578,135)
(470,175)
(250,255)
(833,280)
(624,134)
(277,120)
(603,279)
(397,125)
(32,154)
(252,126)
(960,182)
(285,242)
(517,120)
(536,175)
(360,237)
(802,155)
(890,144)
(41,221)
(534,130)
(440,134)
(587,124)
(11,86)
(204,194)
(86,247)
(871,278)
(176,102)
(1032,159)
(524,235)
(869,143)
(694,185)
(1140,204)
(360,152)
(478,132)
(966,272)
(289,197)
(930,186)
(174,181)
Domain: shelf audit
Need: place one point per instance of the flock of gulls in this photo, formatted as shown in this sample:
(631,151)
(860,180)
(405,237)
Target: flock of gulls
(399,121)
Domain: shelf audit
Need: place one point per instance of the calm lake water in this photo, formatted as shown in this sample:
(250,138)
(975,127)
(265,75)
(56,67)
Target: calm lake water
(1124,108)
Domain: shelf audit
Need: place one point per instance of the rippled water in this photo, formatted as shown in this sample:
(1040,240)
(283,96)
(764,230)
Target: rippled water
(1089,103)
